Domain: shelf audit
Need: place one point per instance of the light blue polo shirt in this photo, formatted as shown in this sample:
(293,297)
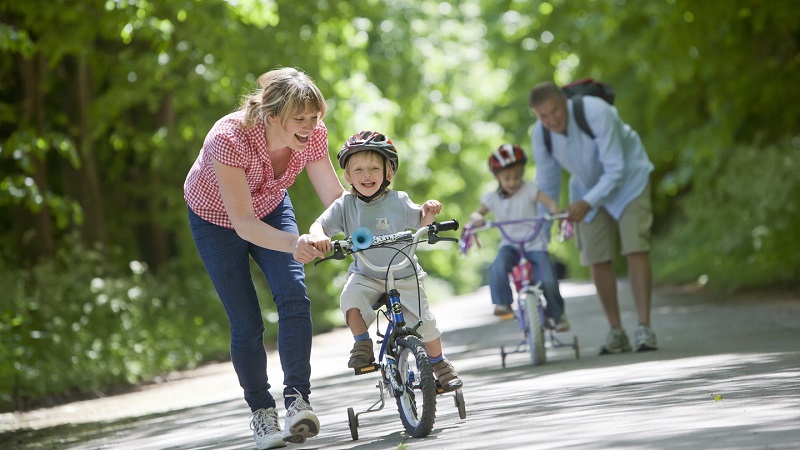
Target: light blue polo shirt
(608,171)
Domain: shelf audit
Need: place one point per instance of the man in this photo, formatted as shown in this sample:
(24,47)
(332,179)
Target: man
(609,190)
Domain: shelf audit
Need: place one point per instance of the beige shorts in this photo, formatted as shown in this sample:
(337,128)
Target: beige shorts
(597,240)
(361,292)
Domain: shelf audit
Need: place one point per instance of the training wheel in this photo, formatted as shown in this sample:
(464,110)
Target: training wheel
(353,422)
(503,356)
(462,407)
(575,346)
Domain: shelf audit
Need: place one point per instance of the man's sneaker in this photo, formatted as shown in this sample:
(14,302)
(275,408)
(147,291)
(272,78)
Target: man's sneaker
(616,342)
(301,422)
(645,339)
(562,326)
(503,311)
(266,431)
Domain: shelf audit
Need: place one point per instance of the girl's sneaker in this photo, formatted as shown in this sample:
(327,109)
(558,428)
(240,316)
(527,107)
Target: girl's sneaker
(503,311)
(562,326)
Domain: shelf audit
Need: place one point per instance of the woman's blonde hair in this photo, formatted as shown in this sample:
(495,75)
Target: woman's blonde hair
(282,93)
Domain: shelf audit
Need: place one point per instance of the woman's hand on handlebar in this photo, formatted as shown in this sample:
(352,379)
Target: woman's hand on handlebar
(321,242)
(305,249)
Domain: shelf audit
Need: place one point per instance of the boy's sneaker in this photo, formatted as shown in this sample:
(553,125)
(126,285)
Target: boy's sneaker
(362,354)
(301,422)
(503,311)
(616,342)
(266,431)
(645,338)
(447,376)
(562,326)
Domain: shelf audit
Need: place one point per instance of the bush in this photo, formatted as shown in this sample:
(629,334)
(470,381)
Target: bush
(75,325)
(737,231)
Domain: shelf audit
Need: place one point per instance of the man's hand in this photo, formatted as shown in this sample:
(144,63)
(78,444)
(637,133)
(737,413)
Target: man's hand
(578,210)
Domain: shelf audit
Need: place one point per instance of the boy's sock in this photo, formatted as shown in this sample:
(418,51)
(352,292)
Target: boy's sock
(362,337)
(436,359)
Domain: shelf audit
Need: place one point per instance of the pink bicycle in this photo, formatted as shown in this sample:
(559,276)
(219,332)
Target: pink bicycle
(537,329)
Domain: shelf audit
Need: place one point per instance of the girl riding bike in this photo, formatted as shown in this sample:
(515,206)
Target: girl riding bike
(514,199)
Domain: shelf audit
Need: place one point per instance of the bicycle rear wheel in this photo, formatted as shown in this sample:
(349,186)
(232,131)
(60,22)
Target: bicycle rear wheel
(534,331)
(417,403)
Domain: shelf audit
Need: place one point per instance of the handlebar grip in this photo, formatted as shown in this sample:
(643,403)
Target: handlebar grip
(450,225)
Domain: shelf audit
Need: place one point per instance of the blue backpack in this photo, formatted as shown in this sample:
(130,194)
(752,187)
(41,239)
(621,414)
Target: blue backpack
(576,90)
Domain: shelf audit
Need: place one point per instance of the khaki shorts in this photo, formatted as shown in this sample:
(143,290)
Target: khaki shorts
(597,240)
(361,292)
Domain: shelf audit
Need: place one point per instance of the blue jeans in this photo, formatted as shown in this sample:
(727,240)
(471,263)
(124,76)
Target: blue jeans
(226,257)
(500,288)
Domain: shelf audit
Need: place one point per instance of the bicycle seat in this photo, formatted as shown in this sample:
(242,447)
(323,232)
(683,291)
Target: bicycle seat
(382,300)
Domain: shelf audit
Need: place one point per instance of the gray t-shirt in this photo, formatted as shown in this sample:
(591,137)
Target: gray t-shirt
(392,213)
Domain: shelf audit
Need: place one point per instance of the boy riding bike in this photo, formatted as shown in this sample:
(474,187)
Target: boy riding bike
(370,161)
(515,198)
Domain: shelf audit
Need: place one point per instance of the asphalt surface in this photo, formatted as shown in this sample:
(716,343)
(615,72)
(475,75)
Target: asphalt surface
(727,376)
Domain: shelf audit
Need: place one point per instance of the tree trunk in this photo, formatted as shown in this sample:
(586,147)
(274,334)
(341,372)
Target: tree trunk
(94,225)
(42,243)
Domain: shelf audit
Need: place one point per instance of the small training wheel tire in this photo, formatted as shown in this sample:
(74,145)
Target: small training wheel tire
(353,422)
(503,356)
(462,407)
(575,346)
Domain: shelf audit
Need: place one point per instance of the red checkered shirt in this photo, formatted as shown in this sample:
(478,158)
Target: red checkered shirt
(229,143)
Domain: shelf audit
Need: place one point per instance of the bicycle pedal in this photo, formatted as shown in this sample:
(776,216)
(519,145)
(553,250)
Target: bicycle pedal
(366,369)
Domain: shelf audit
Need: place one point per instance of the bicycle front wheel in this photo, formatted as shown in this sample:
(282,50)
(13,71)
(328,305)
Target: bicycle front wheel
(534,330)
(417,403)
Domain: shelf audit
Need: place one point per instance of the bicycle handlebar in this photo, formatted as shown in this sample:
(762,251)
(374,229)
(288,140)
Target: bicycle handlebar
(469,233)
(487,224)
(344,247)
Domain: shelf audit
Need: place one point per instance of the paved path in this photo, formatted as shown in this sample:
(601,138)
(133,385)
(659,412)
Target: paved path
(727,377)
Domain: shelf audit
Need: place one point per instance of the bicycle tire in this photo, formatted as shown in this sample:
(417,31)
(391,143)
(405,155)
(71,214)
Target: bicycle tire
(534,331)
(417,404)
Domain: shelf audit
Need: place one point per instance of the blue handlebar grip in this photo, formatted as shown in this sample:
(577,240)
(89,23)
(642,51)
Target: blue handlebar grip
(362,238)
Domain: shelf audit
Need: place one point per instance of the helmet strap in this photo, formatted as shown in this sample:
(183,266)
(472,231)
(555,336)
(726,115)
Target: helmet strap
(367,199)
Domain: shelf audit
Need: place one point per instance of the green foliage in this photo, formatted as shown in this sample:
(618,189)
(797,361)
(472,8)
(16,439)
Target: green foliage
(739,232)
(118,328)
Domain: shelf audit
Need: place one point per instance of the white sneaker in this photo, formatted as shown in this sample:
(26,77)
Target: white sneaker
(301,422)
(616,342)
(645,339)
(266,430)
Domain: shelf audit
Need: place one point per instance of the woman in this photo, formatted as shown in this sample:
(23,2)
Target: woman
(239,208)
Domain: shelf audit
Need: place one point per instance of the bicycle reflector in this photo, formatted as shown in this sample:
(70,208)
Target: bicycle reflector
(361,238)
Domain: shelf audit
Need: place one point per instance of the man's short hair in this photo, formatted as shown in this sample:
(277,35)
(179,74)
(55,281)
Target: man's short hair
(542,92)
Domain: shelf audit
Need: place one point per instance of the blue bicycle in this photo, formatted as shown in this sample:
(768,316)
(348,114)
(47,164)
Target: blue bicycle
(537,329)
(406,372)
